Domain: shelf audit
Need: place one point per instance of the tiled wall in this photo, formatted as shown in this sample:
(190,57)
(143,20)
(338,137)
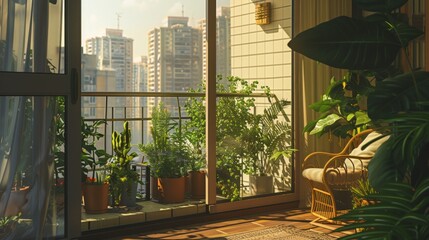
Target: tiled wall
(260,52)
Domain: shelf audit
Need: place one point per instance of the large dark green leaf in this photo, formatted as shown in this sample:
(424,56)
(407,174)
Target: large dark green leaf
(379,5)
(399,94)
(348,43)
(406,32)
(386,219)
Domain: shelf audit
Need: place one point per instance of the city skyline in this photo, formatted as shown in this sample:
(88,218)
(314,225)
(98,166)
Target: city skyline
(129,15)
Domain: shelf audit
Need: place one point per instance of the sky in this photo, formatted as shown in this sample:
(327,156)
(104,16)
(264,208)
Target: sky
(137,17)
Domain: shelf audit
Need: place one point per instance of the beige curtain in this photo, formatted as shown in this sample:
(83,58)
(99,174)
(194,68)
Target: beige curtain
(311,80)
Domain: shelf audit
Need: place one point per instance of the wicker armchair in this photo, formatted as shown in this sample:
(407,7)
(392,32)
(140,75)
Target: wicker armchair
(334,172)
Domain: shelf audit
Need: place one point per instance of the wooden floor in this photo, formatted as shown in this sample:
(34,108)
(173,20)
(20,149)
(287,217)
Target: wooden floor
(299,218)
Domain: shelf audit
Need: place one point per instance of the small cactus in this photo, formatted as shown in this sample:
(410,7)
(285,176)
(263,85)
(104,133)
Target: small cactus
(120,168)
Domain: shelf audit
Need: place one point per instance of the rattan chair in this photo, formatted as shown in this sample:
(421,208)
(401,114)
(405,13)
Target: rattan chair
(331,173)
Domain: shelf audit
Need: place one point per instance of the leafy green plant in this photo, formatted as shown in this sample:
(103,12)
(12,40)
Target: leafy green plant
(120,175)
(400,212)
(232,117)
(360,193)
(91,156)
(7,224)
(166,156)
(398,106)
(267,139)
(339,108)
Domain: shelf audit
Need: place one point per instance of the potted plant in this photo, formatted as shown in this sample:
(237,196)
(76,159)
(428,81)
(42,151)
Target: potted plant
(166,158)
(96,194)
(265,142)
(197,173)
(95,187)
(121,177)
(194,135)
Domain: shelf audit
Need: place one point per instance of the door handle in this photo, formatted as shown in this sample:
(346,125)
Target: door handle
(74,86)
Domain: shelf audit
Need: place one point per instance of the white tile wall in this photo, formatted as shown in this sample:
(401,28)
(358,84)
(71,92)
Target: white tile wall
(260,52)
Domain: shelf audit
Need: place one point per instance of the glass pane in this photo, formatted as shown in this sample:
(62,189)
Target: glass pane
(254,132)
(32,180)
(152,62)
(31,35)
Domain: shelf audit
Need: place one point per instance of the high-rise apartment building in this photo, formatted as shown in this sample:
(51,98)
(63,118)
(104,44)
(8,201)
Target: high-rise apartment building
(114,51)
(95,80)
(175,59)
(223,43)
(140,85)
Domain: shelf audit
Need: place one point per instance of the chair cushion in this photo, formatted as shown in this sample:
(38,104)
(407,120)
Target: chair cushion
(369,151)
(352,169)
(334,176)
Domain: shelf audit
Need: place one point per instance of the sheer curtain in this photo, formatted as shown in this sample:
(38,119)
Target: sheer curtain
(312,79)
(30,41)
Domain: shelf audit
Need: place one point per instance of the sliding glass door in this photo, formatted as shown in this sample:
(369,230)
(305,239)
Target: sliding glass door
(39,118)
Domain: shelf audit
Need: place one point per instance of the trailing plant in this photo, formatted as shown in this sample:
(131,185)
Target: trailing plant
(267,139)
(166,156)
(398,106)
(120,175)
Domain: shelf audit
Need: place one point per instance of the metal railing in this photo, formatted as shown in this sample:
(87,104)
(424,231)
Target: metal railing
(109,116)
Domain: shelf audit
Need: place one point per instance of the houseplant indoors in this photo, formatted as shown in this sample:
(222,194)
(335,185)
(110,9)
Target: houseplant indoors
(167,159)
(265,142)
(398,106)
(121,177)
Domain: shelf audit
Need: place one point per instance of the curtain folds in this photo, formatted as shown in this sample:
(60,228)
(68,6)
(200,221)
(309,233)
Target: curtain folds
(312,79)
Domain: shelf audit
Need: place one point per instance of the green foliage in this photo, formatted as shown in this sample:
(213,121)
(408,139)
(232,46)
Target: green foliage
(91,157)
(195,131)
(59,154)
(8,225)
(339,108)
(232,118)
(360,193)
(400,212)
(167,157)
(397,107)
(267,138)
(9,220)
(120,175)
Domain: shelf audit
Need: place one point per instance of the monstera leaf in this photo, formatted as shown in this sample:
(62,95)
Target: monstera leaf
(348,43)
(379,5)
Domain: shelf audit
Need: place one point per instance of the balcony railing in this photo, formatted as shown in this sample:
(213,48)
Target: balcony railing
(134,107)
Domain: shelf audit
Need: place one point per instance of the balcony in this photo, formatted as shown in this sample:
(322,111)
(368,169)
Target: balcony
(109,108)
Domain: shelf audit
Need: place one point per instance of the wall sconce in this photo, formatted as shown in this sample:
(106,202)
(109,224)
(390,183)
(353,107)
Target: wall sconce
(263,13)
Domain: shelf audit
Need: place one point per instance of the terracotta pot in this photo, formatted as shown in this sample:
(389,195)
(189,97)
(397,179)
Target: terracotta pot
(96,198)
(17,201)
(261,185)
(172,190)
(198,184)
(154,188)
